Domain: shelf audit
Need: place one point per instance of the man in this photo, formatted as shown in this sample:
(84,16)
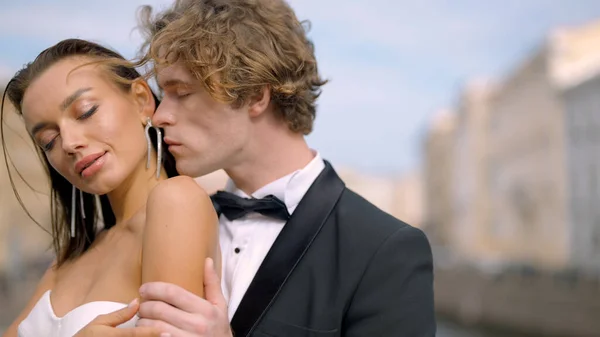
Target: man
(311,258)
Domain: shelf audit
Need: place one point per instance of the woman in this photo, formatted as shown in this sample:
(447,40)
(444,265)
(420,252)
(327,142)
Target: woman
(89,113)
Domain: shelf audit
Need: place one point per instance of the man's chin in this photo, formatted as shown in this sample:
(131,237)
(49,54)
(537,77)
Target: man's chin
(188,170)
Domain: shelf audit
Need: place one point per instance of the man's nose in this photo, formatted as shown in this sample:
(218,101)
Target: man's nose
(163,116)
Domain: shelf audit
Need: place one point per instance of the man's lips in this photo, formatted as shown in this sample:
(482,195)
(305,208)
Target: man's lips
(171,142)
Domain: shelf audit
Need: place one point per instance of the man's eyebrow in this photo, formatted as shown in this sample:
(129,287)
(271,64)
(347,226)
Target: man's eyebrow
(72,98)
(172,83)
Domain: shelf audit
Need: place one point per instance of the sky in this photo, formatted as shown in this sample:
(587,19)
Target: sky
(392,64)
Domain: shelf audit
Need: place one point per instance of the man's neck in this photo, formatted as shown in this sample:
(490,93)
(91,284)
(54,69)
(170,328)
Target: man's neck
(271,156)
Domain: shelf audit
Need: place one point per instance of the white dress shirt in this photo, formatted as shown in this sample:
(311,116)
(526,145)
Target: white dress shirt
(246,241)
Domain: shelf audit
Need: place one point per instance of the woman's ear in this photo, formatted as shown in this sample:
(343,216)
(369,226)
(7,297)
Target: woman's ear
(144,100)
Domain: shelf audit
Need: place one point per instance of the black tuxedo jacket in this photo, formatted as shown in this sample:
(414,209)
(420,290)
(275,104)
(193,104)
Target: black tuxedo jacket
(341,267)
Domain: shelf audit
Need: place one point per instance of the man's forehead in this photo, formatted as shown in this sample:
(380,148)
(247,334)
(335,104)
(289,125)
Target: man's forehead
(173,73)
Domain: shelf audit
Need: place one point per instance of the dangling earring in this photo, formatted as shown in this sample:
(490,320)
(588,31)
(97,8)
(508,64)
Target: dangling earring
(149,143)
(74,208)
(81,204)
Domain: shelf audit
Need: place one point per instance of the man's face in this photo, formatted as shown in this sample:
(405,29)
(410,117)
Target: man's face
(203,135)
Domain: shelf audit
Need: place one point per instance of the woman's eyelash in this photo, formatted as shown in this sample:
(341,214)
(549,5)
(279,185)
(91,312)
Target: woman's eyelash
(89,113)
(48,146)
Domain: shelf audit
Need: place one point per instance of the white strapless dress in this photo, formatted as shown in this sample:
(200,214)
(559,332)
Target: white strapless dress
(42,322)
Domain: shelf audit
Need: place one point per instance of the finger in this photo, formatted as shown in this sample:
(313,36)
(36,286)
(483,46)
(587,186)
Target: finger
(173,295)
(165,328)
(118,317)
(212,286)
(161,311)
(147,331)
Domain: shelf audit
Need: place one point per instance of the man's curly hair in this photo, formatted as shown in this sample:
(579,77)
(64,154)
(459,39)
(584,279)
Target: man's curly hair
(236,48)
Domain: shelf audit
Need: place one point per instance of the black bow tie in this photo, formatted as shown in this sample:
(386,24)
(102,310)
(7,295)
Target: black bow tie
(234,207)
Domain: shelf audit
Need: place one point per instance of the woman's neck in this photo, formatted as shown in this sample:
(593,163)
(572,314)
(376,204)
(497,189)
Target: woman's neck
(132,195)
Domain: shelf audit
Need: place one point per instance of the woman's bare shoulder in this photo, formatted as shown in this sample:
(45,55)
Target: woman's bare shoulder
(180,189)
(182,222)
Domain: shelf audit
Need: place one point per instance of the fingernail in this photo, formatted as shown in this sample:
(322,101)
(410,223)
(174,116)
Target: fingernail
(133,303)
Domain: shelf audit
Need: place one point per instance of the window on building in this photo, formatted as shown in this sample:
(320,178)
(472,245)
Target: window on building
(596,236)
(597,167)
(593,190)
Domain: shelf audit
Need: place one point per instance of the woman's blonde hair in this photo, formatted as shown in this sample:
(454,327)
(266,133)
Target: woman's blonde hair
(236,48)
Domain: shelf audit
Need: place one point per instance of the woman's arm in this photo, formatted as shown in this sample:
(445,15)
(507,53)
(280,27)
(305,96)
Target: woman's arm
(181,232)
(45,284)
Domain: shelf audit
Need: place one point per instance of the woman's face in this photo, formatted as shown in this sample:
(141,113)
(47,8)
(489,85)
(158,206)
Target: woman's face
(90,130)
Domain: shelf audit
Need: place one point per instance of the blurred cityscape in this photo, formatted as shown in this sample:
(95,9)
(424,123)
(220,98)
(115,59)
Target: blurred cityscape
(512,175)
(508,192)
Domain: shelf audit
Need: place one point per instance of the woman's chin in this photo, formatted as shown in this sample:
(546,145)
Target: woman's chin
(99,188)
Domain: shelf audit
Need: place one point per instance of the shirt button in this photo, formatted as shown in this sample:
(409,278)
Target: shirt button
(237,250)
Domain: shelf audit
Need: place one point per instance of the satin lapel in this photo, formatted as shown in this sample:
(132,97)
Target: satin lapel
(289,247)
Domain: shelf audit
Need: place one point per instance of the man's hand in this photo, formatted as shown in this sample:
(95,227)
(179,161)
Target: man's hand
(174,310)
(105,325)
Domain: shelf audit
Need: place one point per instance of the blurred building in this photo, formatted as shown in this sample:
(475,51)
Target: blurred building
(514,174)
(582,107)
(527,165)
(397,195)
(470,233)
(531,170)
(438,174)
(580,52)
(408,198)
(377,189)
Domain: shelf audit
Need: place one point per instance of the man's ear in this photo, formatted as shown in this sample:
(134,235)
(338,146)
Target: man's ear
(144,99)
(259,103)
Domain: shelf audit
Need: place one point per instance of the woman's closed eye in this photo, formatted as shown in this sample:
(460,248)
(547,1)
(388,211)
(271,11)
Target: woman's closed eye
(47,142)
(89,112)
